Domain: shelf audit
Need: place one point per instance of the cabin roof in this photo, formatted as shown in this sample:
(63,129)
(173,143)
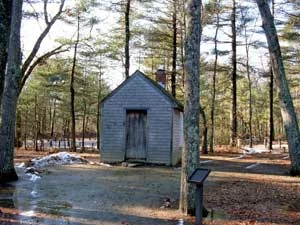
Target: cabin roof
(177,104)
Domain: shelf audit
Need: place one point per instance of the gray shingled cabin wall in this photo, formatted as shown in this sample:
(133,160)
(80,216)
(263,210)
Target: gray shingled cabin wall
(137,94)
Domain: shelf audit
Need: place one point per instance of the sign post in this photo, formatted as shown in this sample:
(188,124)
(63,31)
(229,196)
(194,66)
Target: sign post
(198,177)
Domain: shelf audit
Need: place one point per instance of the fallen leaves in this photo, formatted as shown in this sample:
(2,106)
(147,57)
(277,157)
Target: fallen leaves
(257,201)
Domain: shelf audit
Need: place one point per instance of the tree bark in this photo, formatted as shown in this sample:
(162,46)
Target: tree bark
(213,94)
(127,38)
(190,154)
(250,97)
(10,97)
(286,103)
(174,48)
(25,128)
(247,46)
(18,138)
(36,125)
(5,20)
(204,148)
(83,126)
(53,119)
(271,118)
(271,98)
(233,134)
(182,37)
(72,90)
(98,107)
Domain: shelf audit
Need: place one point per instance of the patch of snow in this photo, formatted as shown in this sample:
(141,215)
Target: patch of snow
(180,222)
(252,166)
(207,161)
(61,158)
(254,150)
(32,170)
(28,213)
(104,164)
(34,177)
(20,165)
(34,194)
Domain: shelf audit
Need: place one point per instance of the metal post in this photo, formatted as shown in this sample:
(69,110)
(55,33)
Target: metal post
(198,177)
(199,204)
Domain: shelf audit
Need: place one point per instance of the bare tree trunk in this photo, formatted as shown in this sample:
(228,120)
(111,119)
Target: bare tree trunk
(204,148)
(72,90)
(174,46)
(36,126)
(250,97)
(10,97)
(25,128)
(271,98)
(271,118)
(67,131)
(53,119)
(286,103)
(182,38)
(190,154)
(44,122)
(247,46)
(127,38)
(98,107)
(213,98)
(18,138)
(233,135)
(83,126)
(5,20)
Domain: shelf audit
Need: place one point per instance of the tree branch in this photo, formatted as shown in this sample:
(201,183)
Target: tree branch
(46,12)
(40,59)
(37,44)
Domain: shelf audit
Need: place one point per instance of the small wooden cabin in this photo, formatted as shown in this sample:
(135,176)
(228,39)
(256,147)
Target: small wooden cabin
(141,121)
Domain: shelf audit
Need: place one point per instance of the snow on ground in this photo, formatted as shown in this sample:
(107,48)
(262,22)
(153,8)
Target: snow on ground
(20,165)
(252,165)
(248,150)
(33,177)
(103,164)
(33,169)
(206,161)
(61,158)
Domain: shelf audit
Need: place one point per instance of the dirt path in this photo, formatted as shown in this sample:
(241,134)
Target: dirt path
(235,191)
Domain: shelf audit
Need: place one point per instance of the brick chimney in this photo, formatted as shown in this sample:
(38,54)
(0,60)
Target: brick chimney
(160,77)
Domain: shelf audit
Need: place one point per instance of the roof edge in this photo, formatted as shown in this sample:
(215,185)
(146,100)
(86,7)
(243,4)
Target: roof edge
(176,103)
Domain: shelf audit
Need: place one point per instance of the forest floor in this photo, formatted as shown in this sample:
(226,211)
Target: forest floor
(241,189)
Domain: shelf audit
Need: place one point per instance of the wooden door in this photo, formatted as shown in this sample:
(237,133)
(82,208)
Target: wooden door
(136,134)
